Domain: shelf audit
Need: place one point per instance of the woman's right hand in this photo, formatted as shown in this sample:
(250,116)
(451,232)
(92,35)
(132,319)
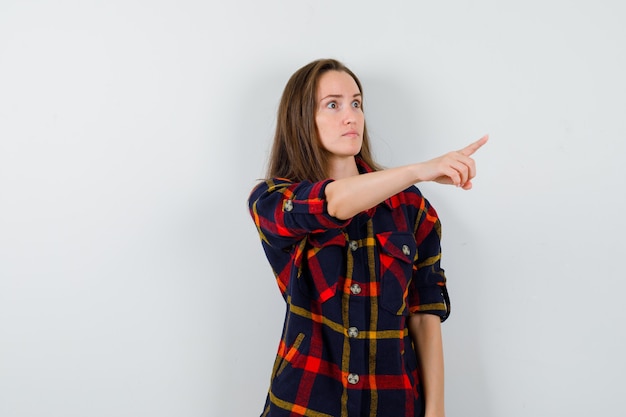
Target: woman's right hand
(457,168)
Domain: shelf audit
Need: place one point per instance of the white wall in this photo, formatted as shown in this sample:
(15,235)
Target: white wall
(131,278)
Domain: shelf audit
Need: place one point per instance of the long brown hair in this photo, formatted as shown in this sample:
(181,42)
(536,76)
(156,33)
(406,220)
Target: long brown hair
(297,153)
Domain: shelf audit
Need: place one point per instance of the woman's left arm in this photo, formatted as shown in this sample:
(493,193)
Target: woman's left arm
(425,331)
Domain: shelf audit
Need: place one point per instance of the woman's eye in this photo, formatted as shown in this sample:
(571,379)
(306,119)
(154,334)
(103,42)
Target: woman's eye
(356,104)
(331,105)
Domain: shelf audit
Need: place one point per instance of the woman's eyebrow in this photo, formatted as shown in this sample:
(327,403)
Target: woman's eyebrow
(339,96)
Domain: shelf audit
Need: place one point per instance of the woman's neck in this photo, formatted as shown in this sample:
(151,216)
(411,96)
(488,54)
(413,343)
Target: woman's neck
(343,168)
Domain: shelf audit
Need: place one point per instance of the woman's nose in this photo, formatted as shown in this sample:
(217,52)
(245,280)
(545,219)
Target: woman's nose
(349,116)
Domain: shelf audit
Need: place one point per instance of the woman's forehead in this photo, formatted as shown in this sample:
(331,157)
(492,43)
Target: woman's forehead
(337,83)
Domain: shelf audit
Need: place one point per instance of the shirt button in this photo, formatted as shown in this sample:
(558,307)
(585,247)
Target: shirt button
(406,250)
(353,332)
(353,245)
(353,379)
(355,289)
(288,205)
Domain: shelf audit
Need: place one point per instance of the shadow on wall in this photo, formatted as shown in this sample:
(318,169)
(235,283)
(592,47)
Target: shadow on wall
(466,380)
(249,310)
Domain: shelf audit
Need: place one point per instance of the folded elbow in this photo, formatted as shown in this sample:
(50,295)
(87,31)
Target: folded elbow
(335,211)
(336,206)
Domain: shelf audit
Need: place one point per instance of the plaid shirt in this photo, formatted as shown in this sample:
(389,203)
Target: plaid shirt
(349,287)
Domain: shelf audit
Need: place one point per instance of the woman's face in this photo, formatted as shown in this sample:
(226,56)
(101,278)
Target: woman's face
(338,116)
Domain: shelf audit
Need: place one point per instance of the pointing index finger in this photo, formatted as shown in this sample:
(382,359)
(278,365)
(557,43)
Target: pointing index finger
(470,149)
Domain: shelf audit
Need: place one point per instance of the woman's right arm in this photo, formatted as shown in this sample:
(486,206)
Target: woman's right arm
(349,196)
(284,211)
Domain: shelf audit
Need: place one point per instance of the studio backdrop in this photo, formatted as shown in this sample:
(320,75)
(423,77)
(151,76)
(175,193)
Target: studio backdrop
(132,280)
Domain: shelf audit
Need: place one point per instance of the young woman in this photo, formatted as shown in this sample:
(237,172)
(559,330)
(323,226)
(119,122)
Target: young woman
(355,250)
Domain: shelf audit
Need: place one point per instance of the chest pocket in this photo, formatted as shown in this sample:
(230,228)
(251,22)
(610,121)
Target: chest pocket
(324,257)
(396,253)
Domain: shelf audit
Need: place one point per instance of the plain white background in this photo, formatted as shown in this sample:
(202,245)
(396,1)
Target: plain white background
(132,281)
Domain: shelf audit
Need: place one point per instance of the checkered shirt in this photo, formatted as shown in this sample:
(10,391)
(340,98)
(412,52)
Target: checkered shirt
(349,287)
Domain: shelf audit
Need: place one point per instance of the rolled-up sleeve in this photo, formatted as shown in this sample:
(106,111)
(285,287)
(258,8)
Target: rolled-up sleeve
(284,211)
(428,292)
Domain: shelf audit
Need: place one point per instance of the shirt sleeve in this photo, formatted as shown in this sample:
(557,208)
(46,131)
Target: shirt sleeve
(284,211)
(428,292)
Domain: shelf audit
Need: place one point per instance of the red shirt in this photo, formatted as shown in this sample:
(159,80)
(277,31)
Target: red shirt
(349,287)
